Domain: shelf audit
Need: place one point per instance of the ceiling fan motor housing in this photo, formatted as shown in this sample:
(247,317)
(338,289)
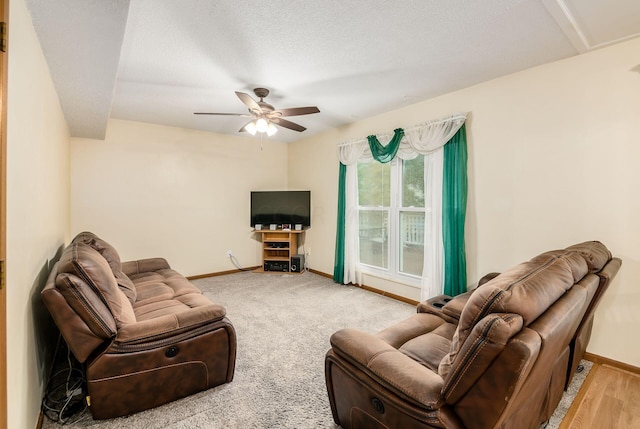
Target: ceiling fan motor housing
(261,92)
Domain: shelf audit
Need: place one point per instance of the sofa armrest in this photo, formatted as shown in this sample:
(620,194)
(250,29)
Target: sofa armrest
(144,266)
(390,367)
(169,324)
(435,305)
(438,302)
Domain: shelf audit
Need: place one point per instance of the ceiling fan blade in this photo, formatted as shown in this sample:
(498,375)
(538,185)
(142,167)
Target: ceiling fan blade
(249,102)
(223,114)
(297,111)
(288,124)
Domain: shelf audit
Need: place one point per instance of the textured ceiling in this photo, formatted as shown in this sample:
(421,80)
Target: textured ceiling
(160,61)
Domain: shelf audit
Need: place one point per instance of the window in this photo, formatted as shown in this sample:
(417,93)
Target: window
(392,214)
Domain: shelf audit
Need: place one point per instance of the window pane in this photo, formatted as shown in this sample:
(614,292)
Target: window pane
(374,238)
(373,184)
(411,242)
(413,182)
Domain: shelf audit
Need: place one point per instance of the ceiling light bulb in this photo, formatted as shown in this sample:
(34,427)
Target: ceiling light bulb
(271,129)
(262,125)
(251,128)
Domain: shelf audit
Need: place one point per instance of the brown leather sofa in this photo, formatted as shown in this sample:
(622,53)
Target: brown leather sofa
(144,334)
(498,356)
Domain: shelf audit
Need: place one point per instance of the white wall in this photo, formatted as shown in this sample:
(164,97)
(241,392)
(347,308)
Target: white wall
(553,160)
(37,213)
(154,190)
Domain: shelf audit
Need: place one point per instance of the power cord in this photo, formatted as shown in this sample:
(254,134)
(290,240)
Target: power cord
(305,268)
(236,263)
(66,388)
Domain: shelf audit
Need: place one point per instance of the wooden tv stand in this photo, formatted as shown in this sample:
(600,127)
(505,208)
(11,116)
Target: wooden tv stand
(278,246)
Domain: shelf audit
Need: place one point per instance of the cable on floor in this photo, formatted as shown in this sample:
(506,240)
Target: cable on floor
(64,398)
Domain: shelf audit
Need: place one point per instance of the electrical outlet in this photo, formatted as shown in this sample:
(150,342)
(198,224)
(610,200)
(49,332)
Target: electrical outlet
(229,254)
(309,252)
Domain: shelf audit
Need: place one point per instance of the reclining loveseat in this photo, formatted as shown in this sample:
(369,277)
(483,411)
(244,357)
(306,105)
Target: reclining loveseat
(498,356)
(144,334)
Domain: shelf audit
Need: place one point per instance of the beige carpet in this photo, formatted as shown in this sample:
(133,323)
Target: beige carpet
(283,324)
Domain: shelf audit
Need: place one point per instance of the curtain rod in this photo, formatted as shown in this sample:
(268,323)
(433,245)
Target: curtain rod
(413,128)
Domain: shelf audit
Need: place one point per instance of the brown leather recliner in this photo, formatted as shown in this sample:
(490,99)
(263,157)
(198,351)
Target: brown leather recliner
(599,261)
(494,358)
(145,335)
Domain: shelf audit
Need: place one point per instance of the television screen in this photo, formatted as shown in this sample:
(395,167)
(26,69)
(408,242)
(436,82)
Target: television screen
(281,207)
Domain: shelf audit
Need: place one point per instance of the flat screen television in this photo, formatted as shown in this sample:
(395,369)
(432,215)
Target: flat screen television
(281,207)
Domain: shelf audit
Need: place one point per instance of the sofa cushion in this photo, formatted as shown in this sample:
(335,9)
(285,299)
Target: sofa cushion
(527,289)
(89,307)
(165,292)
(574,261)
(594,253)
(126,286)
(487,339)
(428,349)
(91,267)
(111,255)
(107,251)
(161,285)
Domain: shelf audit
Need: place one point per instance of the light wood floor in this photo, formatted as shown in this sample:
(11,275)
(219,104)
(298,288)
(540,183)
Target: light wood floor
(608,398)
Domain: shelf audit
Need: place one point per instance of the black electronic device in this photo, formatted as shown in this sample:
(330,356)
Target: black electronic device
(276,266)
(281,207)
(297,263)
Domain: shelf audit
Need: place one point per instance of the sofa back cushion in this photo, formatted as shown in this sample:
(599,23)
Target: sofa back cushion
(110,254)
(526,290)
(105,249)
(595,254)
(86,278)
(487,340)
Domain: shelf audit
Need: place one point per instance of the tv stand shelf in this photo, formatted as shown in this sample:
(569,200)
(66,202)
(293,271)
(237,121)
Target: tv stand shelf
(278,246)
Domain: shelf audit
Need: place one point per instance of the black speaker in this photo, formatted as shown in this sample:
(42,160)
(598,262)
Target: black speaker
(297,263)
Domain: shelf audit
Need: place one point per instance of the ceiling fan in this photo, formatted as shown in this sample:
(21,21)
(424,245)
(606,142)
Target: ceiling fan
(265,116)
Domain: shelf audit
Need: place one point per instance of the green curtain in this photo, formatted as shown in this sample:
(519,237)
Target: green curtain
(338,264)
(454,208)
(384,154)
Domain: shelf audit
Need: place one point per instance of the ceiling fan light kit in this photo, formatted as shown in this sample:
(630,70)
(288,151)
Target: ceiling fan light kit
(271,129)
(251,128)
(260,125)
(266,117)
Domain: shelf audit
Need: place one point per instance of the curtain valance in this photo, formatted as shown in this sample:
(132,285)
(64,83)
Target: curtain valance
(420,139)
(384,154)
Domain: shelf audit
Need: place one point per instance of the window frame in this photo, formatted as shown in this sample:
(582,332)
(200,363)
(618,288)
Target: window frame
(394,211)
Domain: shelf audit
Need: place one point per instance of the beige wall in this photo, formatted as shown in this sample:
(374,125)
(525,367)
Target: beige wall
(37,213)
(553,160)
(553,154)
(153,190)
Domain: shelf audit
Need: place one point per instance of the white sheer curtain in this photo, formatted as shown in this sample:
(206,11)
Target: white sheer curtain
(429,141)
(425,139)
(433,266)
